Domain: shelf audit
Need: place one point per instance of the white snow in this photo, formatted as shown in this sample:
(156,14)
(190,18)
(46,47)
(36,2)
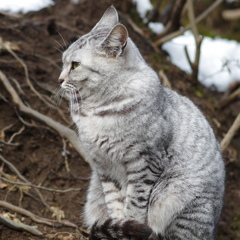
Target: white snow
(143,6)
(156,27)
(219,60)
(24,6)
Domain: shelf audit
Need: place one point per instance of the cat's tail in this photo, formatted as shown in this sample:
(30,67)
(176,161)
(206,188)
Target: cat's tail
(119,229)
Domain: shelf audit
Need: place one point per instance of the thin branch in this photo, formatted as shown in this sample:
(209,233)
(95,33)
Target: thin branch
(188,57)
(61,129)
(9,144)
(191,17)
(12,15)
(231,14)
(198,41)
(230,98)
(26,74)
(181,31)
(40,187)
(35,218)
(230,134)
(173,23)
(16,134)
(164,78)
(19,226)
(14,169)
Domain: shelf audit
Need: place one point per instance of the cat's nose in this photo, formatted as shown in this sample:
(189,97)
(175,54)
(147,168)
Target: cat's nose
(60,80)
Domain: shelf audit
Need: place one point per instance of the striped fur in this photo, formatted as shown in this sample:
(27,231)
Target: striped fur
(157,172)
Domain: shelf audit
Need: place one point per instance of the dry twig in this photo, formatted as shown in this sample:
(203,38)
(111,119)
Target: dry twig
(230,134)
(181,31)
(61,129)
(35,218)
(174,11)
(233,96)
(15,170)
(231,14)
(198,41)
(45,99)
(26,73)
(40,187)
(19,226)
(164,78)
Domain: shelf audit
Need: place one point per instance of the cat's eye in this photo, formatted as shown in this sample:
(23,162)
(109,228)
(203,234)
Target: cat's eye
(75,65)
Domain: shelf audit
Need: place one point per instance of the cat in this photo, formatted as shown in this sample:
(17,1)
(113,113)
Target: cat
(157,171)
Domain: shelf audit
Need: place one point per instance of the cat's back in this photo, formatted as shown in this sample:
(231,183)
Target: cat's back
(193,146)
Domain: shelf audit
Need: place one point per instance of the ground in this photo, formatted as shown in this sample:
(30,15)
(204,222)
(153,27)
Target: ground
(42,156)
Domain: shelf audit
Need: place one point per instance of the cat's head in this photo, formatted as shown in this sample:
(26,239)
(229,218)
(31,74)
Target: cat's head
(96,56)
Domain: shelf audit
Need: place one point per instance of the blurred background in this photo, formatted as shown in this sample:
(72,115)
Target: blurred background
(194,46)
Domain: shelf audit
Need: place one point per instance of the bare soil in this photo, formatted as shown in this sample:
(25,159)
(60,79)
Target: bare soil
(41,155)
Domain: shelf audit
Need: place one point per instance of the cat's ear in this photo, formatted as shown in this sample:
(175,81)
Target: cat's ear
(114,44)
(109,18)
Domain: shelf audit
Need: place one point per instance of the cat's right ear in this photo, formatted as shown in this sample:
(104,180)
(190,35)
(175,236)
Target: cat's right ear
(109,19)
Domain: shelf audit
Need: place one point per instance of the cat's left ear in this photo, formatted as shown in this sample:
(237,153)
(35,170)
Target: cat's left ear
(113,45)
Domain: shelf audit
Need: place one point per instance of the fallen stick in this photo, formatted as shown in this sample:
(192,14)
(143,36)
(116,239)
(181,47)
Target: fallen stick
(14,169)
(20,226)
(61,129)
(40,187)
(35,218)
(230,134)
(181,31)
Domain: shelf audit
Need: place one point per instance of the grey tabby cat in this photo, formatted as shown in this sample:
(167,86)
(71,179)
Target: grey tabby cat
(157,172)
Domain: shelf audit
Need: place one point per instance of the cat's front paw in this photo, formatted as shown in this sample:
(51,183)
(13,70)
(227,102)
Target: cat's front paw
(117,229)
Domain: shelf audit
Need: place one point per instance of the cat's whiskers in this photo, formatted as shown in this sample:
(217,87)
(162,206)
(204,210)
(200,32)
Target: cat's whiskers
(62,40)
(58,50)
(57,96)
(59,44)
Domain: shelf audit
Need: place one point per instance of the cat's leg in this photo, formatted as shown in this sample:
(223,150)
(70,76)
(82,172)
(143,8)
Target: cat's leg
(128,215)
(197,221)
(176,213)
(113,197)
(95,207)
(117,226)
(139,184)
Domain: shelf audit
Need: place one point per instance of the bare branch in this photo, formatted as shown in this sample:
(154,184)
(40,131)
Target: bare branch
(181,31)
(188,57)
(233,96)
(198,41)
(14,169)
(230,134)
(19,226)
(61,129)
(40,187)
(35,218)
(173,23)
(232,14)
(191,17)
(26,74)
(15,134)
(164,78)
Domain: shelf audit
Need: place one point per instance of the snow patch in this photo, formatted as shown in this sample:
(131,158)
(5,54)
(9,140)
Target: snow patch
(24,6)
(219,60)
